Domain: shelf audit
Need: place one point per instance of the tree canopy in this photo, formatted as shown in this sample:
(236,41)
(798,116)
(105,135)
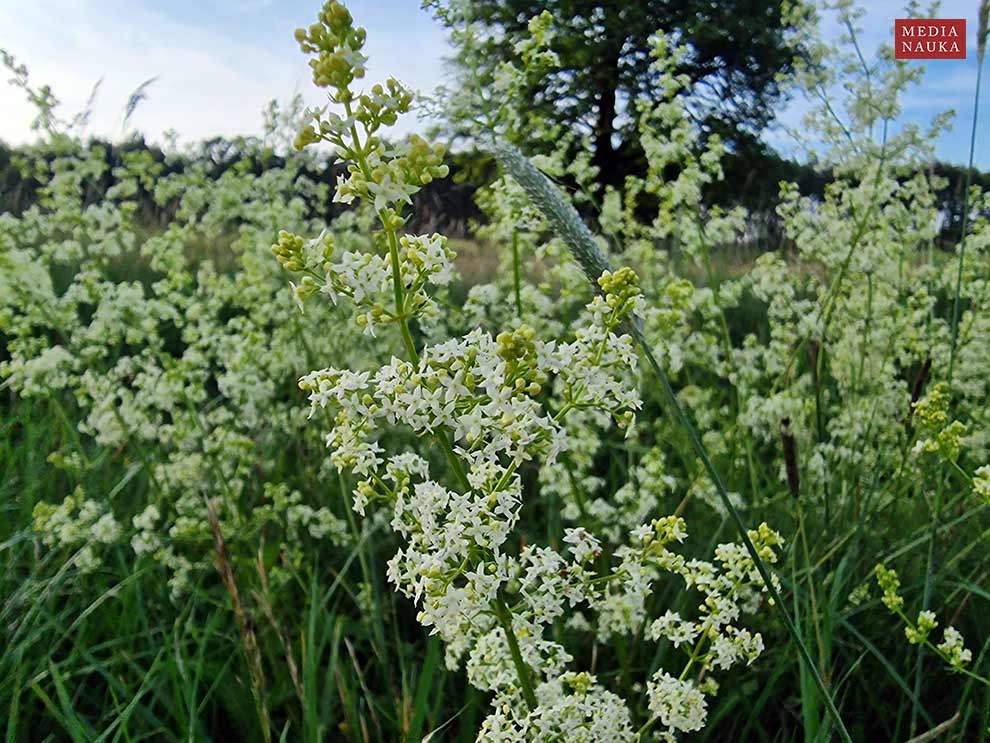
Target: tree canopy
(737,50)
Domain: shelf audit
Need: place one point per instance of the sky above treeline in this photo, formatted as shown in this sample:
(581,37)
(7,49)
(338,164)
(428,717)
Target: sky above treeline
(218,62)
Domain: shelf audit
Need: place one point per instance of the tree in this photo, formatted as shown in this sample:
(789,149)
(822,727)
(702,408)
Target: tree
(738,48)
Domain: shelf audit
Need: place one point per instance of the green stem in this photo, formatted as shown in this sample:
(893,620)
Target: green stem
(517,281)
(723,493)
(691,660)
(646,727)
(926,600)
(523,671)
(566,221)
(398,293)
(501,610)
(954,326)
(803,535)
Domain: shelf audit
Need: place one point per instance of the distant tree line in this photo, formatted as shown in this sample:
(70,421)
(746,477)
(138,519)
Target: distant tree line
(447,204)
(751,180)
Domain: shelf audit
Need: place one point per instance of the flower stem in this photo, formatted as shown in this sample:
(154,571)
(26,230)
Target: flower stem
(956,301)
(523,671)
(568,224)
(400,311)
(516,280)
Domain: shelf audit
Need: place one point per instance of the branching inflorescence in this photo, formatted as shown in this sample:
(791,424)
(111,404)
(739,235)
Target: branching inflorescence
(483,400)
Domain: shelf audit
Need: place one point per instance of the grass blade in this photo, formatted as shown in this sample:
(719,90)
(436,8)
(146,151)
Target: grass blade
(566,221)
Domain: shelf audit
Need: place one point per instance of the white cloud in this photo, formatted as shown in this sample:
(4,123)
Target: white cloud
(216,79)
(208,83)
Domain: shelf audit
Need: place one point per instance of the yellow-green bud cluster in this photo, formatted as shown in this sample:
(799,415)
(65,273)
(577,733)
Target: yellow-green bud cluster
(890,584)
(338,43)
(516,345)
(666,529)
(709,686)
(950,440)
(931,414)
(534,51)
(289,251)
(625,419)
(679,292)
(306,136)
(919,633)
(619,287)
(383,105)
(394,179)
(765,539)
(421,163)
(581,683)
(296,254)
(519,351)
(932,410)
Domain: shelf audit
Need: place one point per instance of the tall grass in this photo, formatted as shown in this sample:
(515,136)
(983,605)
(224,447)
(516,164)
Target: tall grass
(274,645)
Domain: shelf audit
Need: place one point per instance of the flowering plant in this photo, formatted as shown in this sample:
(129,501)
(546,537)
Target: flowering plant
(492,404)
(387,466)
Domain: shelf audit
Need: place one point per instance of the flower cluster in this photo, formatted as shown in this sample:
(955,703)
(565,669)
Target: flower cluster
(951,650)
(940,436)
(493,402)
(78,523)
(162,358)
(364,277)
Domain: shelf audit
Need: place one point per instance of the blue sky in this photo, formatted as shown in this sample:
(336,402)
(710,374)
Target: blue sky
(218,62)
(948,84)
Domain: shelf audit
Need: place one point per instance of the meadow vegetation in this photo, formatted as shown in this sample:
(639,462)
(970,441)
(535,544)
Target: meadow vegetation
(278,466)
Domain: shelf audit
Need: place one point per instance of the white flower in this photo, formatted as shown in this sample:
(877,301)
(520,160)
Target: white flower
(981,482)
(680,705)
(952,647)
(675,629)
(106,529)
(584,546)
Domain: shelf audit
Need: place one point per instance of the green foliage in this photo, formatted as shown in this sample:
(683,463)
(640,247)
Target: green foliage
(602,66)
(184,558)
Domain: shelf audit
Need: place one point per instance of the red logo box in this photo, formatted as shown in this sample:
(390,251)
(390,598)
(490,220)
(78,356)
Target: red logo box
(930,38)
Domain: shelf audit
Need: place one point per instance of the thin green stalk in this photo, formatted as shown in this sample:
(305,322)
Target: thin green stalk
(803,534)
(954,334)
(400,309)
(516,273)
(926,601)
(583,246)
(954,325)
(504,617)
